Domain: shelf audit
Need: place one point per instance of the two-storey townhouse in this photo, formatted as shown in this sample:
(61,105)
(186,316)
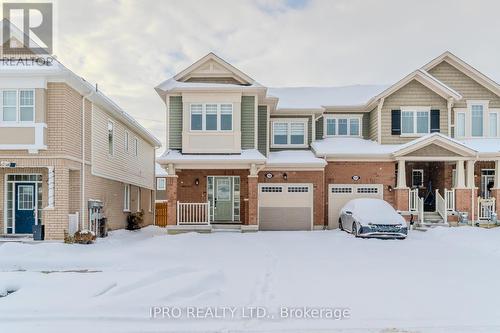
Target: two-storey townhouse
(290,158)
(68,152)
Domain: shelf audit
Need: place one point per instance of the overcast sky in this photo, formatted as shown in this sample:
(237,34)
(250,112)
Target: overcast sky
(128,47)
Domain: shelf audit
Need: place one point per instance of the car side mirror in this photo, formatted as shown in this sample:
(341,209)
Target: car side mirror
(348,212)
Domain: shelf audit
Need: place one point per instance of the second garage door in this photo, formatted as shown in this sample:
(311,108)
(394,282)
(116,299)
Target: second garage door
(340,194)
(285,206)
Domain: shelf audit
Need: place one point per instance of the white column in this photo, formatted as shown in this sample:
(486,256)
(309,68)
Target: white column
(401,174)
(497,174)
(470,174)
(460,183)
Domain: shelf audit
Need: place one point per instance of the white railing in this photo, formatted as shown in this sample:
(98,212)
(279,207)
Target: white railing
(413,200)
(193,213)
(485,206)
(420,210)
(449,196)
(441,207)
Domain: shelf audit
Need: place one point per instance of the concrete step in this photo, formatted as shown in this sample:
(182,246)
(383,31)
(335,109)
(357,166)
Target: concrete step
(226,227)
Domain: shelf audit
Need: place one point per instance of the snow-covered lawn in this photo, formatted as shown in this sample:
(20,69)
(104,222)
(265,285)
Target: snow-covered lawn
(446,279)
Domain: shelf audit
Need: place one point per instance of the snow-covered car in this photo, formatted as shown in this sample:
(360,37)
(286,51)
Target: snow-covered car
(372,218)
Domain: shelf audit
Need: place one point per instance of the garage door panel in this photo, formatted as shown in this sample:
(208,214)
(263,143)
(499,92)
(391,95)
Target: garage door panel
(340,194)
(289,218)
(285,206)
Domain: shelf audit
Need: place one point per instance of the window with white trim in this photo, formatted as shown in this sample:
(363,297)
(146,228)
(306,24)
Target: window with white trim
(493,121)
(126,139)
(126,198)
(417,178)
(477,113)
(18,105)
(460,125)
(111,138)
(136,147)
(343,125)
(161,184)
(415,121)
(289,133)
(139,199)
(211,116)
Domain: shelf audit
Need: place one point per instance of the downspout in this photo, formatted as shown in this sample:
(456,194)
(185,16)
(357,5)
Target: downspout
(82,172)
(472,192)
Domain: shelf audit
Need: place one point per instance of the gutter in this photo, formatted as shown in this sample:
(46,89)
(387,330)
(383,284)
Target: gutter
(82,172)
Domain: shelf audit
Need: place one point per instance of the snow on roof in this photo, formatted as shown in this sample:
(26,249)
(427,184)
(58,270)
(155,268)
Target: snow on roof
(159,171)
(429,136)
(483,145)
(173,84)
(247,155)
(316,97)
(351,146)
(294,158)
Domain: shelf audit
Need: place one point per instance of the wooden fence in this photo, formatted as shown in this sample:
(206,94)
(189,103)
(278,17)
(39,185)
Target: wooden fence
(161,214)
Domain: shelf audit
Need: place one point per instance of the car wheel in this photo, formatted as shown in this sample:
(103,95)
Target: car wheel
(341,227)
(354,230)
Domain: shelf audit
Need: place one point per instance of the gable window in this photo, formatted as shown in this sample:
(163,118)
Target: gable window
(343,126)
(18,105)
(493,124)
(126,198)
(211,117)
(477,111)
(126,141)
(415,121)
(460,125)
(161,184)
(417,178)
(111,131)
(289,132)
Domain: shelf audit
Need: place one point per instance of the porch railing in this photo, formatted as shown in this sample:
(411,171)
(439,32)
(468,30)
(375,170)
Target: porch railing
(193,213)
(485,207)
(449,196)
(441,207)
(413,200)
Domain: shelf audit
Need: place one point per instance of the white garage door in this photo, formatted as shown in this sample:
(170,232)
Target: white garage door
(340,194)
(285,206)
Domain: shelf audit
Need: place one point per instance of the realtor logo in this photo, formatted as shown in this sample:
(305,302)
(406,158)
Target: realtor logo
(27,27)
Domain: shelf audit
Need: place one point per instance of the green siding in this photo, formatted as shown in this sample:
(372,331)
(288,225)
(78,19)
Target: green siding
(175,123)
(262,129)
(319,129)
(247,122)
(309,132)
(366,126)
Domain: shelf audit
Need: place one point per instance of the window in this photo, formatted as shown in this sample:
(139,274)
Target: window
(271,189)
(366,190)
(493,124)
(289,132)
(343,126)
(139,199)
(126,141)
(211,117)
(417,178)
(415,122)
(151,200)
(477,120)
(298,189)
(126,198)
(111,138)
(161,184)
(460,125)
(25,197)
(341,190)
(18,105)
(136,147)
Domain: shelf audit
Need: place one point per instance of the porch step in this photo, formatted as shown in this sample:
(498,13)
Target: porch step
(226,227)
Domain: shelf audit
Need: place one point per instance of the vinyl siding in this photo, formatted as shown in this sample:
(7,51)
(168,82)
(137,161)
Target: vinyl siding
(175,122)
(247,122)
(122,166)
(262,128)
(412,94)
(319,128)
(373,129)
(466,86)
(309,131)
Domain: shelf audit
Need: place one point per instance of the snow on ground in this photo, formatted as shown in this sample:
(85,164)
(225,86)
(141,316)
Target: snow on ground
(443,280)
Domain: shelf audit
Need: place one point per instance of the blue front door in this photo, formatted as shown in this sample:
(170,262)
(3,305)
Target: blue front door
(25,208)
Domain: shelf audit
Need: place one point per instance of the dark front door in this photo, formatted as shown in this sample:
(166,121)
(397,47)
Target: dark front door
(25,208)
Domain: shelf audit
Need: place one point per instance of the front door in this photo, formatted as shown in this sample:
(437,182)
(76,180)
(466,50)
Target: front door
(25,206)
(487,181)
(223,199)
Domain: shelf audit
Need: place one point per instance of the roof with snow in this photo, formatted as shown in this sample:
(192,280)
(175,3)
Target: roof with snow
(351,147)
(294,158)
(246,156)
(317,97)
(159,171)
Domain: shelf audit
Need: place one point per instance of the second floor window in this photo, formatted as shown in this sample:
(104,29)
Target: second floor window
(18,105)
(136,147)
(289,133)
(111,134)
(343,126)
(211,117)
(415,122)
(477,120)
(161,184)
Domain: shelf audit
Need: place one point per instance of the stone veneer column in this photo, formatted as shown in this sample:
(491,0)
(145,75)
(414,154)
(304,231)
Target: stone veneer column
(172,199)
(252,200)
